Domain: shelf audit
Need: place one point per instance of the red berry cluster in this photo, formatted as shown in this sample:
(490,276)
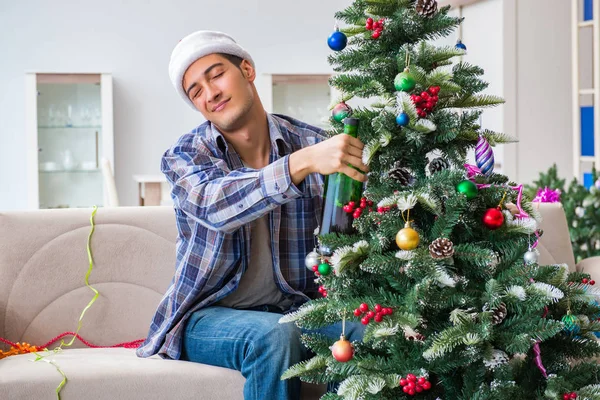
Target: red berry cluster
(412,385)
(586,280)
(377,313)
(382,210)
(322,290)
(568,396)
(426,101)
(315,269)
(356,212)
(376,27)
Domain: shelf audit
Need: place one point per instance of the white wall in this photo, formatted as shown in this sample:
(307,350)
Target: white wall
(525,52)
(133,40)
(483,34)
(542,86)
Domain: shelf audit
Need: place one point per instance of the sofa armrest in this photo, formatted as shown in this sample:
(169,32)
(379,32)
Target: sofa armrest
(590,266)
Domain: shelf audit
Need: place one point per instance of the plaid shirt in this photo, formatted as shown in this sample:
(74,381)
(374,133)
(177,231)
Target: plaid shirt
(215,199)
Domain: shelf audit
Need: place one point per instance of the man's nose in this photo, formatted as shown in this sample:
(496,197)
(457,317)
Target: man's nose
(212,92)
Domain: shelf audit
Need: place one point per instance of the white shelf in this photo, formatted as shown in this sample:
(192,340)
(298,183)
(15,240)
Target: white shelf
(69,122)
(576,25)
(587,91)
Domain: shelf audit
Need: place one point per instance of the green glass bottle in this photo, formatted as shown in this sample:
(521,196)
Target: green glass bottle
(338,192)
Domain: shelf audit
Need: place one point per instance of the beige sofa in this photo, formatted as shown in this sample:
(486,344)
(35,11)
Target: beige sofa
(43,261)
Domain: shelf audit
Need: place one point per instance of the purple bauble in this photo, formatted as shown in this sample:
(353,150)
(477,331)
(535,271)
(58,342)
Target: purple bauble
(484,156)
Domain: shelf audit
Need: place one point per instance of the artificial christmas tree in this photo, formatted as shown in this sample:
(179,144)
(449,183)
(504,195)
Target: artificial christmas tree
(436,270)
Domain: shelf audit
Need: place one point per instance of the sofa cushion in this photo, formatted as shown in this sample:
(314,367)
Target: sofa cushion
(115,374)
(119,374)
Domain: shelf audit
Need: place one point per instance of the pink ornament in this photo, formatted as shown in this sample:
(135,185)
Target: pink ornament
(472,171)
(547,195)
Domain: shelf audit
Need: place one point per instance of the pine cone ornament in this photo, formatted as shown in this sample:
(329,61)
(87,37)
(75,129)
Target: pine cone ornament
(400,175)
(441,248)
(426,8)
(437,165)
(499,314)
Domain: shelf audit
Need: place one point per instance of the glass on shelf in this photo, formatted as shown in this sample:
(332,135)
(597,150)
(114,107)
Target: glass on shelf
(71,138)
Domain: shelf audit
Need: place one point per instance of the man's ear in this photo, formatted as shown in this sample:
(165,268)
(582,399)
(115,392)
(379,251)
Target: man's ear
(248,70)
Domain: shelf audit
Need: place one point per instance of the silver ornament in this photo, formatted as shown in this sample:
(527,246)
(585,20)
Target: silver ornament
(311,260)
(325,251)
(531,257)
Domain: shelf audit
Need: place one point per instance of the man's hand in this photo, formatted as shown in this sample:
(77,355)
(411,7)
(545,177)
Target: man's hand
(328,157)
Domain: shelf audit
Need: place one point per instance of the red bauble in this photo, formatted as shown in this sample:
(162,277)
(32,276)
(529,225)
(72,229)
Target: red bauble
(378,317)
(584,280)
(364,307)
(592,282)
(370,314)
(493,218)
(377,308)
(365,320)
(357,313)
(376,34)
(342,350)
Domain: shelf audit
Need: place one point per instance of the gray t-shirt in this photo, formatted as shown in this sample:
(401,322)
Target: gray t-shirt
(257,286)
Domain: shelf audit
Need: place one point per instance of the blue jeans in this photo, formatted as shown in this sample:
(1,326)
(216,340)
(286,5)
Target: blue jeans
(256,344)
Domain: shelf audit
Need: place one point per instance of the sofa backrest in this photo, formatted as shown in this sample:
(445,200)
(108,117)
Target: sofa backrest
(555,245)
(43,262)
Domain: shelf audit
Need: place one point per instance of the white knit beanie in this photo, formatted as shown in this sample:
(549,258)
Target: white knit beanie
(195,46)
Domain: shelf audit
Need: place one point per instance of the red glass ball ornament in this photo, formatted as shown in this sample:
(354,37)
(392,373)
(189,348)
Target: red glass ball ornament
(493,218)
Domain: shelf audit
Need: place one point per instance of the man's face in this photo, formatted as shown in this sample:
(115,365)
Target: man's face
(220,91)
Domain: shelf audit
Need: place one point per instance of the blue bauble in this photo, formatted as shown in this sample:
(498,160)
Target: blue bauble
(460,45)
(337,41)
(402,119)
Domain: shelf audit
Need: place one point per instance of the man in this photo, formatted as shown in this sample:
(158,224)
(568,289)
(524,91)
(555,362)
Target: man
(247,191)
